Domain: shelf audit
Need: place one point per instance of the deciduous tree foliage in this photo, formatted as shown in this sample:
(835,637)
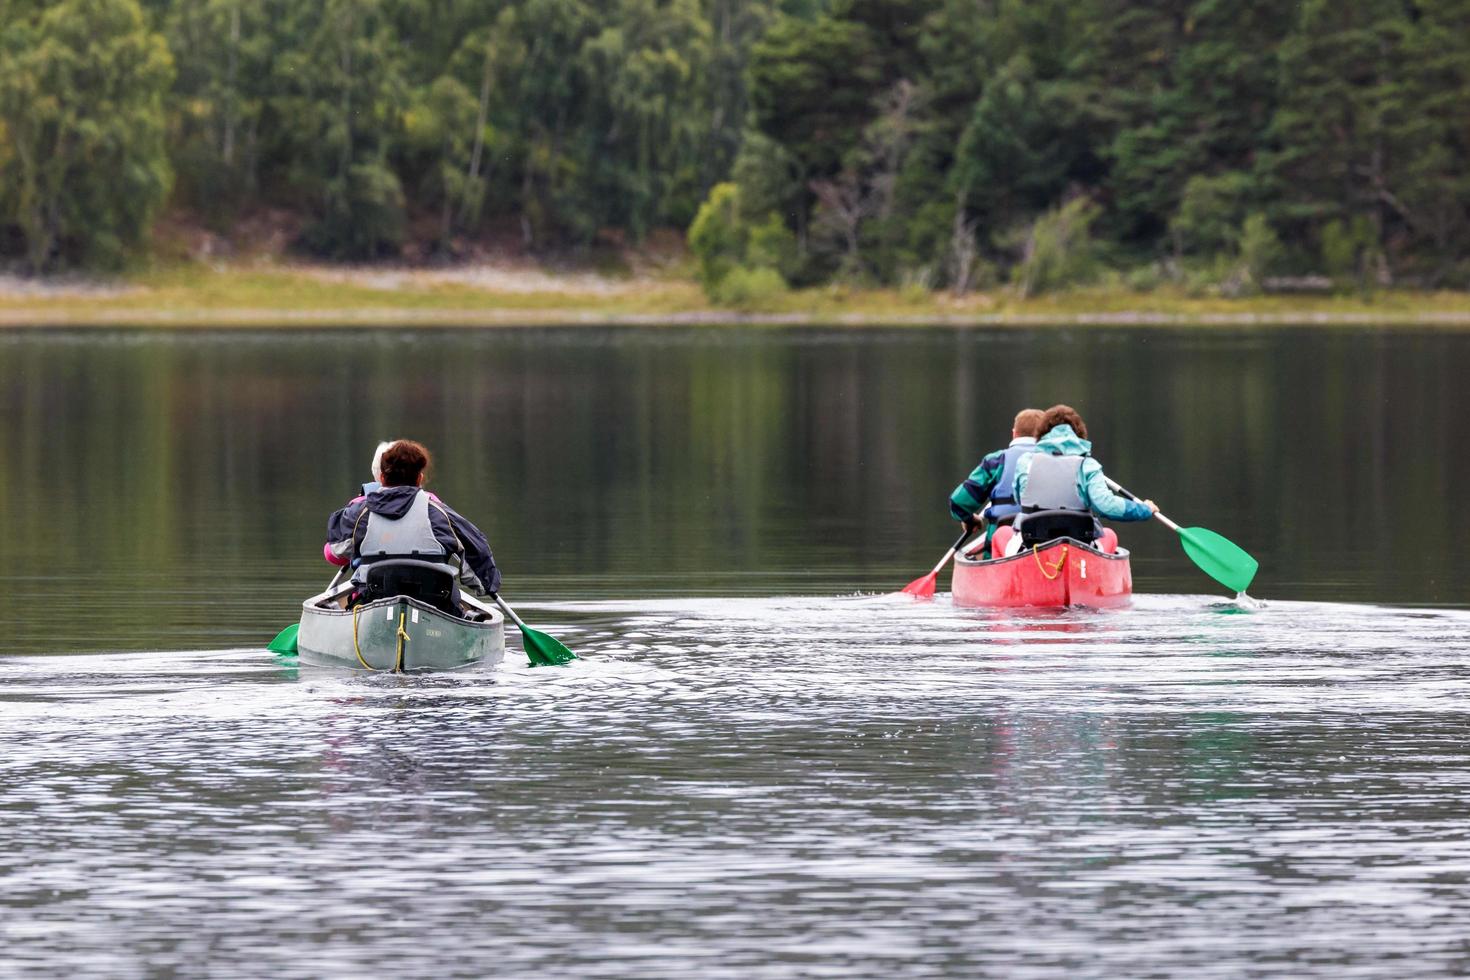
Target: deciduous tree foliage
(82,160)
(894,141)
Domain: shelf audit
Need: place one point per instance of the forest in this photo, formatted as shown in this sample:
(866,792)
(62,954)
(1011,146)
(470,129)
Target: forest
(938,144)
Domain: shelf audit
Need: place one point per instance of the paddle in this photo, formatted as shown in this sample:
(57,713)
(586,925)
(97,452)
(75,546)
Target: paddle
(285,641)
(923,588)
(1218,557)
(542,649)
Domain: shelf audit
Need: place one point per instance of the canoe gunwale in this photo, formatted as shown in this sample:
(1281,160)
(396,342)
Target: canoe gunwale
(309,606)
(1122,554)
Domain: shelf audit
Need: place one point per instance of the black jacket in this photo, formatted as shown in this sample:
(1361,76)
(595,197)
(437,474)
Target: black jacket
(345,530)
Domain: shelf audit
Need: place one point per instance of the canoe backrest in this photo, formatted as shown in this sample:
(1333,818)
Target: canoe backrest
(1048,525)
(415,579)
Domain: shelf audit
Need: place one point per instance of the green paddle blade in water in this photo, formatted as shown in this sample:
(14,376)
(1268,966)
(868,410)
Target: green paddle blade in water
(1220,558)
(285,641)
(544,650)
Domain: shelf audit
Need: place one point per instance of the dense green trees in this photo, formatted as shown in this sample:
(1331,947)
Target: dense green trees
(379,122)
(82,161)
(936,142)
(1217,143)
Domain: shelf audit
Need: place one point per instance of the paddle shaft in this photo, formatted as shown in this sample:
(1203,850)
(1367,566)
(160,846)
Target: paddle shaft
(1218,557)
(510,614)
(508,611)
(1158,515)
(952,549)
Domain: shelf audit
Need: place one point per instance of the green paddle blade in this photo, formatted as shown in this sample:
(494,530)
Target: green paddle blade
(544,650)
(285,641)
(1220,558)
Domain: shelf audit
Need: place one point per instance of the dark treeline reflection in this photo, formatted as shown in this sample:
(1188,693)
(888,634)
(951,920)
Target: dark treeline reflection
(173,488)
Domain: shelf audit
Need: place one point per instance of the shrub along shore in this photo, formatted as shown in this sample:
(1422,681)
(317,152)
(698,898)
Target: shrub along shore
(198,295)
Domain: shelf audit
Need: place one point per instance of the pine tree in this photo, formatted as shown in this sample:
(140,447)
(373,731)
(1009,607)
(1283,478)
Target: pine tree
(1345,129)
(1208,117)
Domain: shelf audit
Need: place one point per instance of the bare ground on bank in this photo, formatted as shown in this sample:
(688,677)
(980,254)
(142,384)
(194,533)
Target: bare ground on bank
(280,294)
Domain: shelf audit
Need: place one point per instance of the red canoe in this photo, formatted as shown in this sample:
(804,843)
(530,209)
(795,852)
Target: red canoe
(1064,572)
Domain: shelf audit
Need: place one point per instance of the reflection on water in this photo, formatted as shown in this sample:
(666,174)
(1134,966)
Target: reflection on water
(744,776)
(146,474)
(762,788)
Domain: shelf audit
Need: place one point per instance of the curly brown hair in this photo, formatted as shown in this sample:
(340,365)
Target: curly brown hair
(1063,415)
(403,462)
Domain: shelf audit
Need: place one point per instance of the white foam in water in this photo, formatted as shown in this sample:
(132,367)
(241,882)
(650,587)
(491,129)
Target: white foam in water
(762,787)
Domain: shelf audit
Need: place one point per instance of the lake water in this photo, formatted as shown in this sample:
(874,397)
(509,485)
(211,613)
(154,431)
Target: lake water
(763,766)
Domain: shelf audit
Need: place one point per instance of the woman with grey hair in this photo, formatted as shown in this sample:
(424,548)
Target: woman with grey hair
(376,468)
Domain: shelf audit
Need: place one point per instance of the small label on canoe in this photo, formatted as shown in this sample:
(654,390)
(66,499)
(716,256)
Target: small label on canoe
(415,615)
(1084,568)
(389,611)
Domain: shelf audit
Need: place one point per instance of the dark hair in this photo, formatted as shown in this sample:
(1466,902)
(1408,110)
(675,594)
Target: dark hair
(1028,422)
(1063,415)
(403,462)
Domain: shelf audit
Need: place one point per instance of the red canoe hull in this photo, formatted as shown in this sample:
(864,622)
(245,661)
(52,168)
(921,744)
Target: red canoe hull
(1059,573)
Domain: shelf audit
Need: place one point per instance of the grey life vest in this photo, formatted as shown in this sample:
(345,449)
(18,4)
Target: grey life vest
(1052,484)
(1003,504)
(410,536)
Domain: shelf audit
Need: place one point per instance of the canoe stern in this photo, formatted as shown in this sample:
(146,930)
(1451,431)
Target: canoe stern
(1065,572)
(398,634)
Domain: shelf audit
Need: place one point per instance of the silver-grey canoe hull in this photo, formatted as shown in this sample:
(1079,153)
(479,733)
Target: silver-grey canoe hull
(368,637)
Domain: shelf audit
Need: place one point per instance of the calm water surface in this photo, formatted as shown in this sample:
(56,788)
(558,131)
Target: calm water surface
(760,768)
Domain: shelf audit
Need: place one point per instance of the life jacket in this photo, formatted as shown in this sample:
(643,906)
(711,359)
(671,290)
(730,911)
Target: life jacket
(1052,484)
(1003,504)
(408,537)
(1051,506)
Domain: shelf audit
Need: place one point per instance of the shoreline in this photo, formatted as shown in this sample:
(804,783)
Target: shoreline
(389,318)
(196,296)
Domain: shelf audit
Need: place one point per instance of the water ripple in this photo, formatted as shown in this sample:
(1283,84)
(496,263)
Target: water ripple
(762,787)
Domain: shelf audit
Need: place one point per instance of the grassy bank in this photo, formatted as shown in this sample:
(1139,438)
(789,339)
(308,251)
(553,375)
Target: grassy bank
(277,295)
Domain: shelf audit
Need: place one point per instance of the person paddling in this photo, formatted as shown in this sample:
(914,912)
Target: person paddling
(376,468)
(1062,490)
(401,520)
(994,480)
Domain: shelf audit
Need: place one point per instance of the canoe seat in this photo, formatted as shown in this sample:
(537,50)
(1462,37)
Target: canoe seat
(415,579)
(1042,526)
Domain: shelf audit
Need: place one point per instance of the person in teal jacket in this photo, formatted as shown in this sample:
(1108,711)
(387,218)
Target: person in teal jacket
(994,480)
(1065,445)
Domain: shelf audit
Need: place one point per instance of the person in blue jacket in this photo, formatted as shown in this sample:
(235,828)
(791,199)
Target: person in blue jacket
(375,484)
(1061,475)
(994,480)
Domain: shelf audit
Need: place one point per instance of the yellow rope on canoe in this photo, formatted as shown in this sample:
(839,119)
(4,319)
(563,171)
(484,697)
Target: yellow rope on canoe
(1056,566)
(402,639)
(355,648)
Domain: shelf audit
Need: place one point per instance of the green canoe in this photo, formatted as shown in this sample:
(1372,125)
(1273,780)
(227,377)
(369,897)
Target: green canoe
(396,634)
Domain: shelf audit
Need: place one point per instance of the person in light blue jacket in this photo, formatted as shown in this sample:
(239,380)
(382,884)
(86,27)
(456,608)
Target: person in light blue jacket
(1061,474)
